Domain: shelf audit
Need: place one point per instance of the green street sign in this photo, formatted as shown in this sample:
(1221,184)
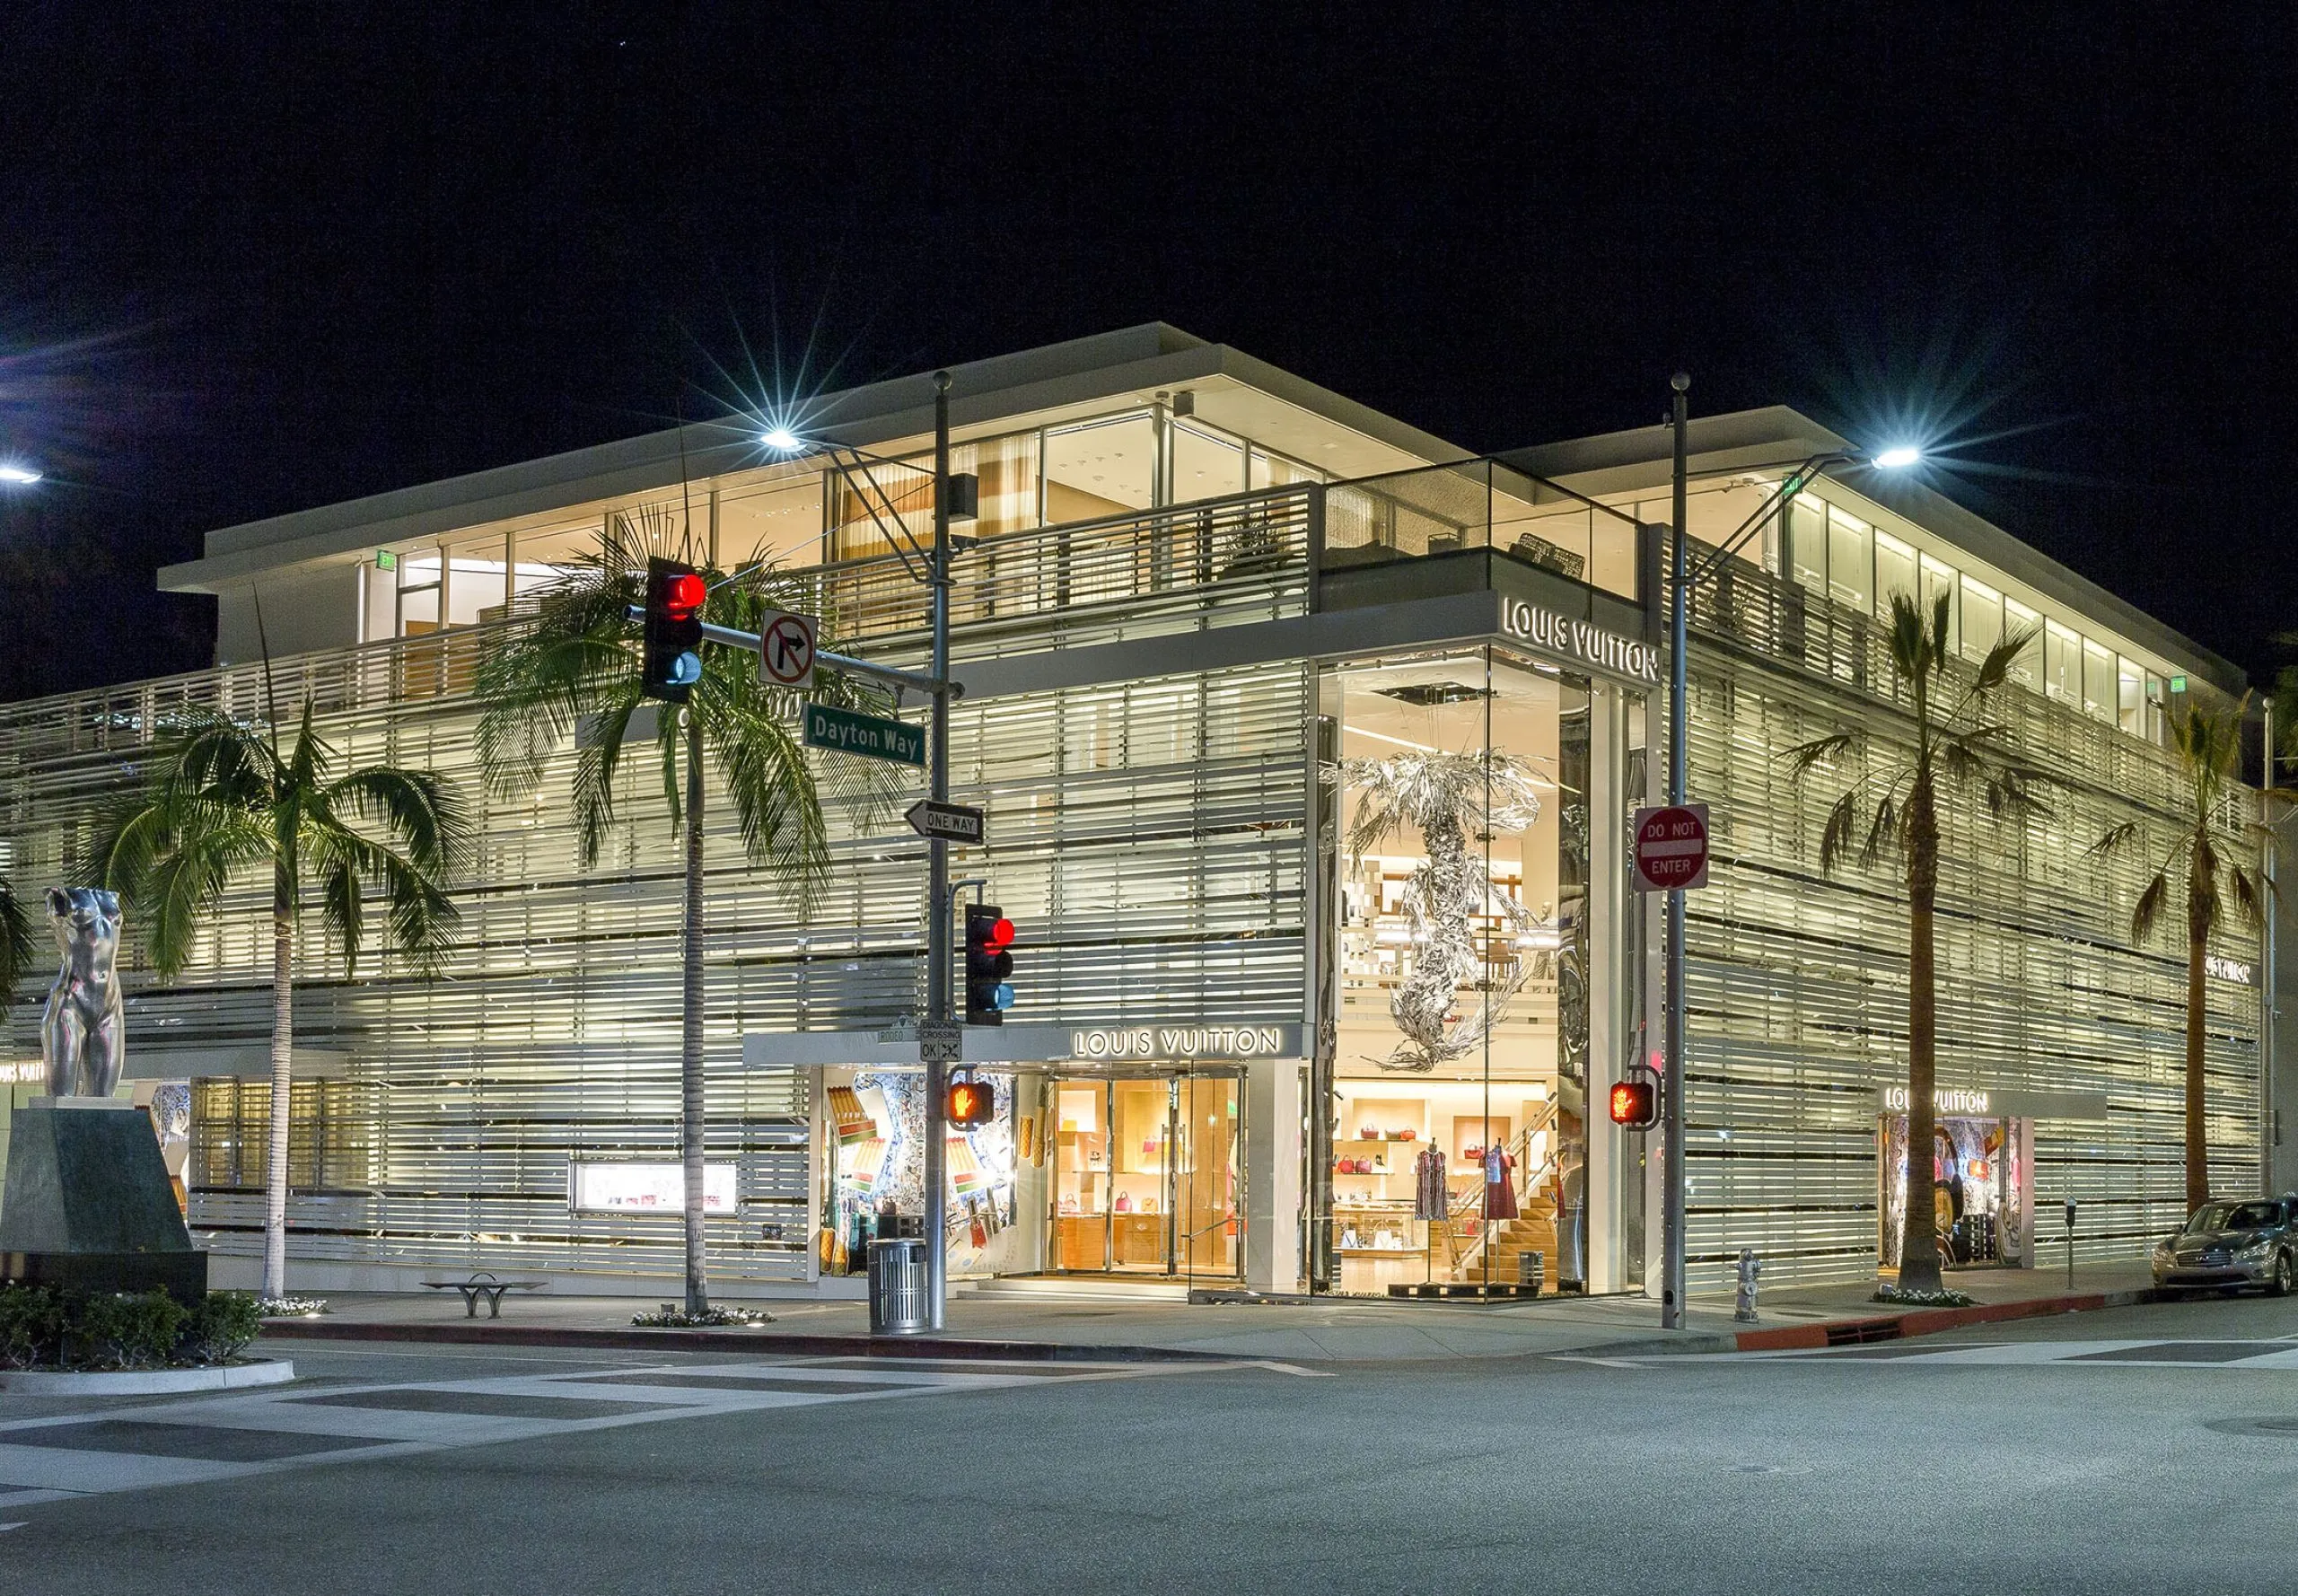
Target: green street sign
(851,734)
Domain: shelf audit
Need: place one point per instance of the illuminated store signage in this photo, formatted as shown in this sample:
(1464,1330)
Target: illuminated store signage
(2226,969)
(1178,1042)
(1944,1099)
(645,1188)
(1560,633)
(23,1072)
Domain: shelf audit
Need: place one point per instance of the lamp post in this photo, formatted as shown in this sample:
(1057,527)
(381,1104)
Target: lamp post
(936,1036)
(1682,580)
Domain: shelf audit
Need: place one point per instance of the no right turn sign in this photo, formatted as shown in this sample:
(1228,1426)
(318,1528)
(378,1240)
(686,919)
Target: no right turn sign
(1672,848)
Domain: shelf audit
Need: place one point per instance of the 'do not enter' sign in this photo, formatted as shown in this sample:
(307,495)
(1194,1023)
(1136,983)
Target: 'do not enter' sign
(1672,848)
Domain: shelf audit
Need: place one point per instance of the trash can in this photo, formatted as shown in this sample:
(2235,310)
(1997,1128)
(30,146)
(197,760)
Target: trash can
(1530,1267)
(898,1305)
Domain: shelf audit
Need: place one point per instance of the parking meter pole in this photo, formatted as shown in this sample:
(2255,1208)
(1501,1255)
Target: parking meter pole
(937,890)
(2070,1245)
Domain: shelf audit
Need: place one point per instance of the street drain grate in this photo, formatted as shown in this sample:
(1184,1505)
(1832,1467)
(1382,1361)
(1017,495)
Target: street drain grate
(1859,1332)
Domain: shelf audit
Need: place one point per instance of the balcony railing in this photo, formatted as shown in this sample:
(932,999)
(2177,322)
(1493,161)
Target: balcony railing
(1075,567)
(1479,503)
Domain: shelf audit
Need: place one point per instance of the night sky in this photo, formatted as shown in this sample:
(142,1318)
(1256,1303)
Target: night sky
(251,263)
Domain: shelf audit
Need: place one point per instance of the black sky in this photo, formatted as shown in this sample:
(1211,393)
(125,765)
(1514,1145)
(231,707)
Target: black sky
(255,260)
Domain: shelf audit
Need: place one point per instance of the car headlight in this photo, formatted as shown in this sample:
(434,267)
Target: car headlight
(2256,1250)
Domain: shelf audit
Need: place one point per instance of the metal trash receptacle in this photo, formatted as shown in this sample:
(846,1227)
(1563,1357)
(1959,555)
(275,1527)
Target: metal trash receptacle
(897,1286)
(1530,1267)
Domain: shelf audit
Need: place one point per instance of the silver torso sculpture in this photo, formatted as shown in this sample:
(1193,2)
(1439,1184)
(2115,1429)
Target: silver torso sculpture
(82,1034)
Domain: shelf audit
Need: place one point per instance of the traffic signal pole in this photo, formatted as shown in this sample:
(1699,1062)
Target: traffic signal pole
(937,892)
(1672,1088)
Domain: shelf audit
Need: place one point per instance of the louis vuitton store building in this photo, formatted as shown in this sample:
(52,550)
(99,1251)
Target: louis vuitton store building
(1308,747)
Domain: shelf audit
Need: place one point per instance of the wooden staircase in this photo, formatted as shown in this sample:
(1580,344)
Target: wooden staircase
(1532,1230)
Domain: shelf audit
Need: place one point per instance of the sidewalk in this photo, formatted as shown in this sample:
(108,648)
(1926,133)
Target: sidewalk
(1101,1324)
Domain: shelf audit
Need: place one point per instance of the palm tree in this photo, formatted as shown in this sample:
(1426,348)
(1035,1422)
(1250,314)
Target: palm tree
(15,941)
(224,798)
(577,665)
(1891,809)
(2209,749)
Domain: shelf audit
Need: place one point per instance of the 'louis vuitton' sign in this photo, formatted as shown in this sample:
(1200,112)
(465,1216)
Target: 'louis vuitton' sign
(1582,640)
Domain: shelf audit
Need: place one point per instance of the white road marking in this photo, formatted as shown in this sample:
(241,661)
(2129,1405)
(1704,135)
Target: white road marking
(364,1413)
(2125,1353)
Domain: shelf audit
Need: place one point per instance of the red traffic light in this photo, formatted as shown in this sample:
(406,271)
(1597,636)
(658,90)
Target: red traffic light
(683,595)
(968,1103)
(1000,933)
(1635,1104)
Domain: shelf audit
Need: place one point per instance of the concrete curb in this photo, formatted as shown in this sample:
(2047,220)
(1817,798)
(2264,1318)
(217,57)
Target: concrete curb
(759,1341)
(1930,1321)
(145,1382)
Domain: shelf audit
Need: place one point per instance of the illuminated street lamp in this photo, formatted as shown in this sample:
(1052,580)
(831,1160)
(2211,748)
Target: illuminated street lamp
(1680,582)
(16,476)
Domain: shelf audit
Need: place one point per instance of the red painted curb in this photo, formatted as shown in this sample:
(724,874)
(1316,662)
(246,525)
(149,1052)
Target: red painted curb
(1924,1321)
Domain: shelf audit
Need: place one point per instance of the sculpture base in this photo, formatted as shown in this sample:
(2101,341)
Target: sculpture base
(183,1276)
(89,1207)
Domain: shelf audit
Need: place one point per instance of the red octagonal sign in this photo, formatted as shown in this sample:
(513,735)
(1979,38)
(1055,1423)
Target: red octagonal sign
(1672,848)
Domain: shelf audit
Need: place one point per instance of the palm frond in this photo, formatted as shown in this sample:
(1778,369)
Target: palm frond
(16,944)
(1804,755)
(2116,840)
(2149,907)
(183,882)
(1994,670)
(1884,831)
(419,808)
(1835,835)
(2248,900)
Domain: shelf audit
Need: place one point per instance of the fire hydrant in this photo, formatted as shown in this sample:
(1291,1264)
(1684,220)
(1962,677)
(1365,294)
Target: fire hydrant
(1750,1266)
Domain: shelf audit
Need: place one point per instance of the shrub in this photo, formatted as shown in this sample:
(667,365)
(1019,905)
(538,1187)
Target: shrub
(31,1326)
(220,1329)
(124,1329)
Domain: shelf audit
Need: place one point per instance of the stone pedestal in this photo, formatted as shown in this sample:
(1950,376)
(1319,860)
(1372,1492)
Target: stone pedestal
(88,1204)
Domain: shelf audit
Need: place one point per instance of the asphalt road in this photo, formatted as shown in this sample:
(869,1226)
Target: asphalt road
(2149,1449)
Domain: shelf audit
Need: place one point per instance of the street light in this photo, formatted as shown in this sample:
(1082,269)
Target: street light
(1671,1093)
(17,475)
(938,1044)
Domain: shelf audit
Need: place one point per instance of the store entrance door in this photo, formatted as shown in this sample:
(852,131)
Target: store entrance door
(1147,1176)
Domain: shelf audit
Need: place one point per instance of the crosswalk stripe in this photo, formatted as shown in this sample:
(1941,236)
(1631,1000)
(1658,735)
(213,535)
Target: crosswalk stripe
(368,1421)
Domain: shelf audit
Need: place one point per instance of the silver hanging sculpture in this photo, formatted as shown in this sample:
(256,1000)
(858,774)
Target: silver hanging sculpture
(1440,794)
(83,1037)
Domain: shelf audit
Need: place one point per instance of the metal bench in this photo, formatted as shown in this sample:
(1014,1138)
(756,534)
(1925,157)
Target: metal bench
(487,1285)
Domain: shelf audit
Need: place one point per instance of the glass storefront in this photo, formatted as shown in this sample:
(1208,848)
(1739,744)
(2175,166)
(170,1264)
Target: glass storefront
(1466,949)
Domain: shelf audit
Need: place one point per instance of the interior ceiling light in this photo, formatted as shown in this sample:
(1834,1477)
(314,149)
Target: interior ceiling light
(1429,693)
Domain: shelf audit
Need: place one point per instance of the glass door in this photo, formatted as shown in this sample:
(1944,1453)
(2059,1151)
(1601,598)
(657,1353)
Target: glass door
(1146,1177)
(1208,1199)
(1081,1175)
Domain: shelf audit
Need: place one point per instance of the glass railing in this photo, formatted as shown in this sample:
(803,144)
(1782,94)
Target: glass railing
(1477,504)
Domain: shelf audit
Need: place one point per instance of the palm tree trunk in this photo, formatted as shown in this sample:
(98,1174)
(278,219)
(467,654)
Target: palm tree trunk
(2197,1147)
(283,1054)
(1919,1235)
(691,1123)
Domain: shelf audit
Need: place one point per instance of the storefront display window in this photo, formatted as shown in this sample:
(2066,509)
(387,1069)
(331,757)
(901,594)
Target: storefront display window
(1981,1191)
(1461,1091)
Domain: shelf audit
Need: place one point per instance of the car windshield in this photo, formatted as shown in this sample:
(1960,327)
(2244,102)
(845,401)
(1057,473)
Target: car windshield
(2235,1216)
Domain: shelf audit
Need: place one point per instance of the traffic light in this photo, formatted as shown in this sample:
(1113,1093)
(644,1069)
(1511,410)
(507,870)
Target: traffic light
(1636,1101)
(990,935)
(674,597)
(968,1102)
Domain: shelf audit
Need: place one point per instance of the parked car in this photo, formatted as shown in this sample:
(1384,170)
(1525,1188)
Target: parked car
(2232,1245)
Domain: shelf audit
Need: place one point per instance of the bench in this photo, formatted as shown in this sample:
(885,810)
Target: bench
(487,1285)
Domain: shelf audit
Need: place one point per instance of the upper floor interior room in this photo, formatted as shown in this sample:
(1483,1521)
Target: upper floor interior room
(1136,421)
